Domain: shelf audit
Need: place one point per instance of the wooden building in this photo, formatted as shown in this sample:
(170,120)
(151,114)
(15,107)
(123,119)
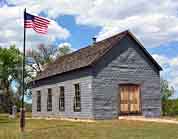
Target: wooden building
(109,78)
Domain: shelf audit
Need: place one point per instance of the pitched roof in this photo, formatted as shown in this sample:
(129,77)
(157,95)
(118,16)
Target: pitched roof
(86,56)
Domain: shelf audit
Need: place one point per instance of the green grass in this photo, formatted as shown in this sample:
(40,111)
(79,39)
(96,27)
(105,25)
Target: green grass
(113,129)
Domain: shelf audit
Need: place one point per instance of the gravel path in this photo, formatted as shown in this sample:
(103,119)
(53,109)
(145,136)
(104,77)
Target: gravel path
(140,118)
(134,118)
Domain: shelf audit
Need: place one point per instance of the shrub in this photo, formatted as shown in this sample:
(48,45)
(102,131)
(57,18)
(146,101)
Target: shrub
(170,107)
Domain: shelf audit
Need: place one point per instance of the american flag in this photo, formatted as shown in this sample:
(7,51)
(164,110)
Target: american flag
(39,24)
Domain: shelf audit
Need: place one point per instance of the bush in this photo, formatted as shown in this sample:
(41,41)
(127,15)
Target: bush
(170,107)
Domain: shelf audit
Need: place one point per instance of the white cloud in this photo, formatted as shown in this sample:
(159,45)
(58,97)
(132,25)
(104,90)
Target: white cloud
(162,60)
(170,69)
(174,62)
(12,28)
(66,44)
(154,22)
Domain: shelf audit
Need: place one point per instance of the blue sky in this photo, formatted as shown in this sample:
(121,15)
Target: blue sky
(81,35)
(75,22)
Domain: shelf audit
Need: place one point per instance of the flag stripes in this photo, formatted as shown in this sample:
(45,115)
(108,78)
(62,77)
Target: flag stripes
(39,24)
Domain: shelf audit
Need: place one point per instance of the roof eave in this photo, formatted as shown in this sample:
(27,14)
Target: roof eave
(42,78)
(152,59)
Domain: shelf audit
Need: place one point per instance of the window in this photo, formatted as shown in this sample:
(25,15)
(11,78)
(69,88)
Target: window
(38,101)
(77,99)
(49,100)
(61,99)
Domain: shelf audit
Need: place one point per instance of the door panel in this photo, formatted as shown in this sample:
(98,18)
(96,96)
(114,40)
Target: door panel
(129,99)
(134,99)
(124,100)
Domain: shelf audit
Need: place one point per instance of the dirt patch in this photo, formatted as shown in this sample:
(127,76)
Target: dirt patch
(140,118)
(65,119)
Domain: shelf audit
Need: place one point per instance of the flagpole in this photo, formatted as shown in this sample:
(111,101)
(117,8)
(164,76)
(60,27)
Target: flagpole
(22,114)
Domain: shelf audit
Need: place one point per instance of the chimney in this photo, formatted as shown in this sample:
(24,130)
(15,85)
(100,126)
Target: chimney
(94,40)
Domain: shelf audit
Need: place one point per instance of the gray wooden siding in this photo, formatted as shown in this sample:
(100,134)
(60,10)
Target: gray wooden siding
(125,63)
(86,99)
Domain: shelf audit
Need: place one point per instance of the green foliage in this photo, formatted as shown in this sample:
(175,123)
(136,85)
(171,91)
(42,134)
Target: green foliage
(166,90)
(11,70)
(10,60)
(169,107)
(10,63)
(65,49)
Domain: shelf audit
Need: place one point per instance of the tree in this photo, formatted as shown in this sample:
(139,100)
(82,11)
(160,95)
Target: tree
(10,61)
(11,69)
(65,49)
(11,73)
(166,93)
(38,58)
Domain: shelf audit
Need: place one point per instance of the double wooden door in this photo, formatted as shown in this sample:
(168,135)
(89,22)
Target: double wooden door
(129,99)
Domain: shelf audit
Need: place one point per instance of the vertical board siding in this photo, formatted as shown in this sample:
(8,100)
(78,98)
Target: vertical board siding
(125,63)
(86,99)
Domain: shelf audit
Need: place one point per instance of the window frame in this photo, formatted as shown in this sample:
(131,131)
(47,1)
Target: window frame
(49,100)
(38,101)
(77,98)
(61,98)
